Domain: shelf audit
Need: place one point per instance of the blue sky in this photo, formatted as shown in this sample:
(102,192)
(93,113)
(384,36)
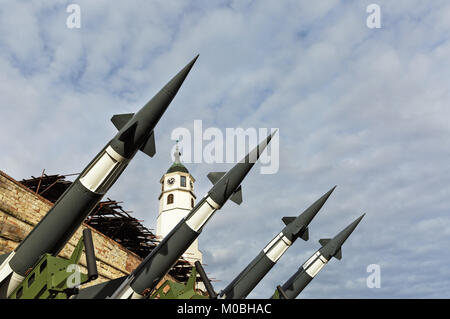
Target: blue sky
(364,109)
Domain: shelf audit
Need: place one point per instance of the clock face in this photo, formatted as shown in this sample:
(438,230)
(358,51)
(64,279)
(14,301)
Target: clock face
(171,180)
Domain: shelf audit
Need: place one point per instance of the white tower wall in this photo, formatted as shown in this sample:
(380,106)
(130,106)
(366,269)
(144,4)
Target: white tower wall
(171,213)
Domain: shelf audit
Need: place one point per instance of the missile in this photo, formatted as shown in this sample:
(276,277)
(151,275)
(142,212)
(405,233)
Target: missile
(295,227)
(135,132)
(330,248)
(152,269)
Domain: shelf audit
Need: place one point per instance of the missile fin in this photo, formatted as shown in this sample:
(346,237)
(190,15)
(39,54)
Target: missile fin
(288,220)
(119,120)
(338,254)
(215,176)
(128,135)
(149,147)
(237,196)
(305,235)
(324,241)
(282,293)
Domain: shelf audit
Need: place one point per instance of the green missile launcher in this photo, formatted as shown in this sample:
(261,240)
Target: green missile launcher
(179,290)
(56,277)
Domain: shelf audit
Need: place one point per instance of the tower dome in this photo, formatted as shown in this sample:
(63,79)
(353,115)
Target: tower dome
(177,166)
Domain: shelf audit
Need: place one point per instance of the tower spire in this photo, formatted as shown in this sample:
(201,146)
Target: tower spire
(177,166)
(177,154)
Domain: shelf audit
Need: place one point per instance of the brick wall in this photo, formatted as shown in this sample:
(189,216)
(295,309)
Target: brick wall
(21,210)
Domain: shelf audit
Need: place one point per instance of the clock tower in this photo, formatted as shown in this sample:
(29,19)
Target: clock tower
(176,200)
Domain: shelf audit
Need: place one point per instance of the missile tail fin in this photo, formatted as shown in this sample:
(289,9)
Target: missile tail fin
(324,241)
(128,134)
(119,120)
(149,147)
(215,176)
(305,235)
(237,196)
(281,293)
(287,220)
(338,254)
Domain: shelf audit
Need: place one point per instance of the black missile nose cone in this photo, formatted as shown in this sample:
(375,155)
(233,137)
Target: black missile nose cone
(355,223)
(299,224)
(360,218)
(254,154)
(312,210)
(175,83)
(327,194)
(344,234)
(332,247)
(269,137)
(231,181)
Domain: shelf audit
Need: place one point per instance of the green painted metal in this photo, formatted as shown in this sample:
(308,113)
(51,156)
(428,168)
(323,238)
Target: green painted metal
(179,290)
(276,294)
(49,279)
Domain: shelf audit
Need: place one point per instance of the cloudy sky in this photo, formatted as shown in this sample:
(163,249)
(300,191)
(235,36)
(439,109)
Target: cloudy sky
(364,109)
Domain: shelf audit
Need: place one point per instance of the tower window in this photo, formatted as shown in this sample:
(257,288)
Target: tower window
(183,181)
(170,199)
(192,202)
